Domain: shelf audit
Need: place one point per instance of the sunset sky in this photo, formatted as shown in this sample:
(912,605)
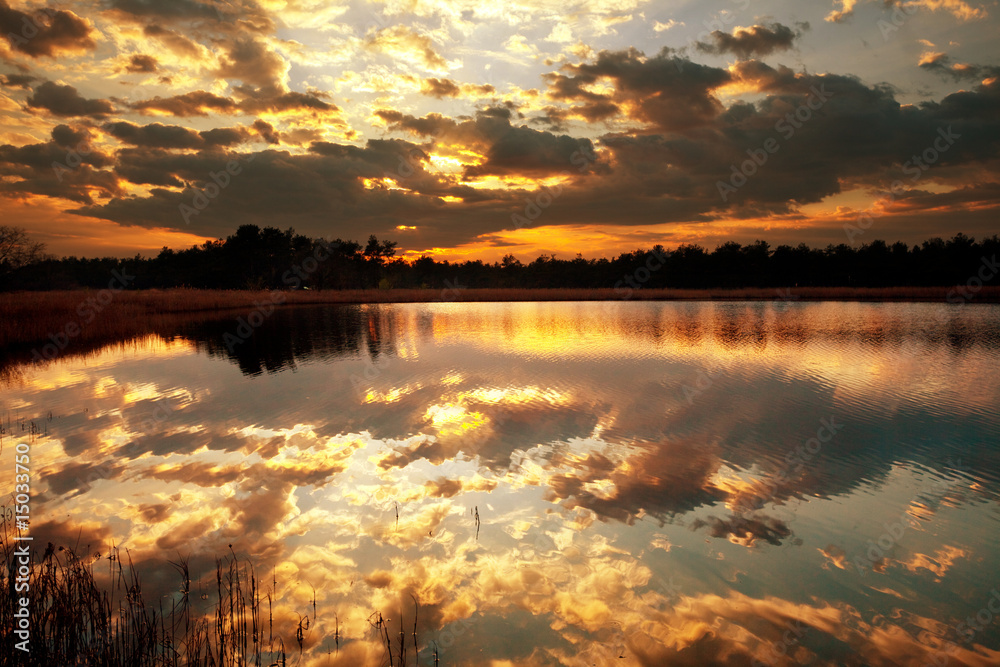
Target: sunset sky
(466,129)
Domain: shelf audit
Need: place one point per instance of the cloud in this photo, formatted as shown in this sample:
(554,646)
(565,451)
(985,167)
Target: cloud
(75,478)
(746,530)
(168,9)
(17,80)
(936,61)
(154,512)
(507,149)
(443,487)
(251,101)
(195,103)
(933,60)
(256,102)
(663,27)
(174,41)
(255,63)
(329,178)
(818,157)
(266,131)
(755,41)
(82,538)
(957,8)
(845,12)
(300,136)
(519,44)
(45,32)
(64,100)
(68,137)
(141,64)
(32,169)
(677,478)
(524,151)
(441,88)
(656,133)
(157,135)
(405,43)
(666,91)
(668,170)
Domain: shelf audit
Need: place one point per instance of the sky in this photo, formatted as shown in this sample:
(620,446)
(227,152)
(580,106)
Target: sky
(473,130)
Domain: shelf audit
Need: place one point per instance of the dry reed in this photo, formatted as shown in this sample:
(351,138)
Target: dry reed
(76,620)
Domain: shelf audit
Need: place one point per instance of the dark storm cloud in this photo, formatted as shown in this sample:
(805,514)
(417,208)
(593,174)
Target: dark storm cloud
(141,64)
(222,16)
(253,62)
(157,135)
(321,192)
(380,157)
(68,137)
(297,137)
(441,88)
(592,112)
(62,168)
(845,132)
(66,101)
(224,136)
(168,8)
(430,125)
(254,101)
(146,167)
(266,131)
(975,110)
(521,150)
(46,32)
(195,103)
(509,149)
(859,136)
(17,80)
(666,91)
(755,41)
(834,133)
(746,529)
(264,101)
(941,63)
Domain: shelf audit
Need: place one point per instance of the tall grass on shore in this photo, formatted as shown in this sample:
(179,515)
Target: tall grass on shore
(34,317)
(76,620)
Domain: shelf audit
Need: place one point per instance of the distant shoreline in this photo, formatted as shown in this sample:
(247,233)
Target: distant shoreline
(35,317)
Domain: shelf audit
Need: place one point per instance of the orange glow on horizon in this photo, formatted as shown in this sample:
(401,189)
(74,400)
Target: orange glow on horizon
(66,234)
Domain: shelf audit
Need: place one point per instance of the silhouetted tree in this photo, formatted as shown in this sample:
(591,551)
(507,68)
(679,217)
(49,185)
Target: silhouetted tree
(17,250)
(269,258)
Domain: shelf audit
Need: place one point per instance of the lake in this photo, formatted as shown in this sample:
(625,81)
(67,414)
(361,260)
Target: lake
(681,483)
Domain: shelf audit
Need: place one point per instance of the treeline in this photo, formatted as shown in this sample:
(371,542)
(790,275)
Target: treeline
(269,258)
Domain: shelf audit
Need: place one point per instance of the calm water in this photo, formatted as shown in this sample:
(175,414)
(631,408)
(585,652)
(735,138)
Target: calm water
(655,483)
